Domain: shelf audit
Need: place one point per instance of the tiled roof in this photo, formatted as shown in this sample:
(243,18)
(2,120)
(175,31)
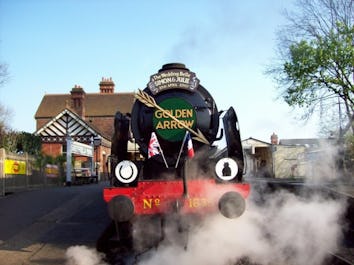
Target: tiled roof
(96,104)
(108,104)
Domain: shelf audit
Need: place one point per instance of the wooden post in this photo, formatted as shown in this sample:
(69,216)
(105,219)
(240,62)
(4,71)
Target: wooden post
(2,170)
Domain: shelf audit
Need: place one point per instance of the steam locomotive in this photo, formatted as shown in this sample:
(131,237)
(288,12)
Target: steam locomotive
(190,159)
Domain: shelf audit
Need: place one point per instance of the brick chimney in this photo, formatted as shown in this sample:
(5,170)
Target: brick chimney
(274,138)
(78,100)
(106,86)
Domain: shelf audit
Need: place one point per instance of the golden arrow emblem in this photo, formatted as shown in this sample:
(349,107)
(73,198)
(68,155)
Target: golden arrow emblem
(150,102)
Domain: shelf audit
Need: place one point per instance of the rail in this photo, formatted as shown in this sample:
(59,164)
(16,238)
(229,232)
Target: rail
(336,259)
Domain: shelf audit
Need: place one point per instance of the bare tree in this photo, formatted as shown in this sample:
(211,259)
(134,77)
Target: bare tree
(5,113)
(4,74)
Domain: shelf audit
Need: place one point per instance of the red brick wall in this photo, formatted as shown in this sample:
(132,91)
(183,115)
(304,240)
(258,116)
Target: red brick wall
(103,153)
(52,149)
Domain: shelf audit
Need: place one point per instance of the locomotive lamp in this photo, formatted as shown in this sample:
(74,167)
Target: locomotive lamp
(126,172)
(226,169)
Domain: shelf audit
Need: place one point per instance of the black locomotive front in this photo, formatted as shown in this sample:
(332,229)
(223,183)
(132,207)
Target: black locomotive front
(177,92)
(181,169)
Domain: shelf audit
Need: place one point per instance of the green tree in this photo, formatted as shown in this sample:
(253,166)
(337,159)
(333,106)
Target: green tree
(41,161)
(29,143)
(315,63)
(60,161)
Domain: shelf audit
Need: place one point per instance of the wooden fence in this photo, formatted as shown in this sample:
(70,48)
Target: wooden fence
(18,172)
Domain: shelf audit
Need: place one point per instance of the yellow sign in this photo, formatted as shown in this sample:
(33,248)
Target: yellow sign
(15,167)
(51,171)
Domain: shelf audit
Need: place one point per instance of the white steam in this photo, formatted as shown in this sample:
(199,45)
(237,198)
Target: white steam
(288,230)
(82,255)
(285,229)
(320,165)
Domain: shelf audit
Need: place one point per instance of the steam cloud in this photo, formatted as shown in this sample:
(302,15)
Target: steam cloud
(82,255)
(285,229)
(288,230)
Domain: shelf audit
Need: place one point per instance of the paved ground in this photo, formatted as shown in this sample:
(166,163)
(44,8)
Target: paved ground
(37,226)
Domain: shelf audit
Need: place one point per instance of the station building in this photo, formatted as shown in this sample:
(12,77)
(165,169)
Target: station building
(87,118)
(290,158)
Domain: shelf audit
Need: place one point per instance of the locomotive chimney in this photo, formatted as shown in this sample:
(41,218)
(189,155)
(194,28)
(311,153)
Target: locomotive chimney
(78,100)
(107,86)
(169,66)
(274,138)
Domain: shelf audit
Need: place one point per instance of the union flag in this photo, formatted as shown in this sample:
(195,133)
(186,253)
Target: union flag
(154,146)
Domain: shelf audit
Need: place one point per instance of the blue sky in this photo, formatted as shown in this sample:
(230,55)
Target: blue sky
(50,46)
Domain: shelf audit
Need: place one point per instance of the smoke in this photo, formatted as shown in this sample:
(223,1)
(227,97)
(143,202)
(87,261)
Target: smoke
(229,26)
(82,255)
(286,230)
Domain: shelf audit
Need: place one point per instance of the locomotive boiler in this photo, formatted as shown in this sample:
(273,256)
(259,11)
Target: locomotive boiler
(190,158)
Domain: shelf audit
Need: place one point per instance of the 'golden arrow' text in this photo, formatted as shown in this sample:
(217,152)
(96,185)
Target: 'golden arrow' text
(150,102)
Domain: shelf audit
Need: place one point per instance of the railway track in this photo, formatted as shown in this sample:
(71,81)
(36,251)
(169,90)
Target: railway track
(335,259)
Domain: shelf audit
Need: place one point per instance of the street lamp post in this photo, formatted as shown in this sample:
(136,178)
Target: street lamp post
(97,142)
